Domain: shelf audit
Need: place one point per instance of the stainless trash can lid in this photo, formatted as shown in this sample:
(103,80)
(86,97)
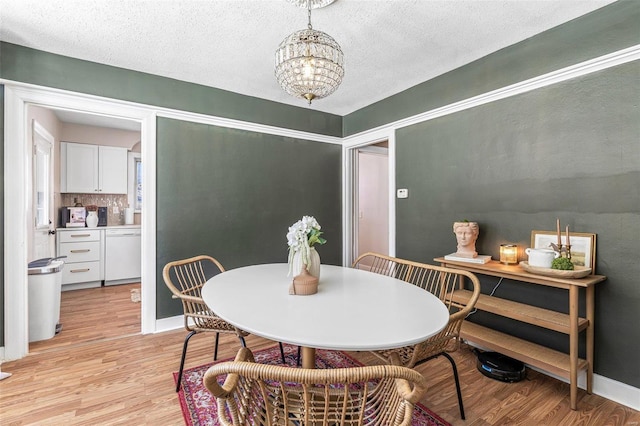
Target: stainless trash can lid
(53,267)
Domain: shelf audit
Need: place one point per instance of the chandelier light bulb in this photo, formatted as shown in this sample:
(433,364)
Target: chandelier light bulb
(307,69)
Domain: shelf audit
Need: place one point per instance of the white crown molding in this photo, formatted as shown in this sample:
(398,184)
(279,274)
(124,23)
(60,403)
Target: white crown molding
(17,94)
(77,101)
(603,386)
(245,125)
(574,71)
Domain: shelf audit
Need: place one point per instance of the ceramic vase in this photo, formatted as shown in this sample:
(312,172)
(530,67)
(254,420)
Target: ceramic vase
(92,219)
(304,284)
(313,265)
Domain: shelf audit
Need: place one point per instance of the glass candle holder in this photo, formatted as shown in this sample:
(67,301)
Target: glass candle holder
(508,254)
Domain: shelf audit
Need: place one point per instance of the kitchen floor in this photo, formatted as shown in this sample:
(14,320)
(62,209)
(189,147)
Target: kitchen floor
(95,314)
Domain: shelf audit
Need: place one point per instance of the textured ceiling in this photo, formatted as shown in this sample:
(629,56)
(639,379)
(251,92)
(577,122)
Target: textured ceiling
(389,45)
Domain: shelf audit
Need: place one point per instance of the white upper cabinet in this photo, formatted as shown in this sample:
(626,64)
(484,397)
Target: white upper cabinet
(92,168)
(112,170)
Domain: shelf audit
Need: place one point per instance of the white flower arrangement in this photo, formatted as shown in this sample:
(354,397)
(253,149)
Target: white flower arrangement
(302,236)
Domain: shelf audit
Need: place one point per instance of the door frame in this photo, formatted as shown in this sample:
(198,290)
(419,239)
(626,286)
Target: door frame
(349,190)
(40,135)
(16,192)
(371,150)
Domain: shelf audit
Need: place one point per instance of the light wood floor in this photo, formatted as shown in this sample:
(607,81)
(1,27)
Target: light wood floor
(98,371)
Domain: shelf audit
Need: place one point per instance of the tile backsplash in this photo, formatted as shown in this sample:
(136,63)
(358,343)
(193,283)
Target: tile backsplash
(101,200)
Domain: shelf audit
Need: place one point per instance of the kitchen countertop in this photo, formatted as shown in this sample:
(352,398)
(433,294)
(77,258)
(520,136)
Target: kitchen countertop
(101,227)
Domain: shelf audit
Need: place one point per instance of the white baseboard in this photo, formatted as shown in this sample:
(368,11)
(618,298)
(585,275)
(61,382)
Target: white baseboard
(169,324)
(602,386)
(605,387)
(616,391)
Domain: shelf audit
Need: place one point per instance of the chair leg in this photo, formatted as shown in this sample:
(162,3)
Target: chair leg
(298,359)
(455,376)
(215,349)
(184,355)
(242,341)
(282,353)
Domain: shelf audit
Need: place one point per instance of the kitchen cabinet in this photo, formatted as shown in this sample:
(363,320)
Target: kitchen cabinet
(563,365)
(87,169)
(123,255)
(84,264)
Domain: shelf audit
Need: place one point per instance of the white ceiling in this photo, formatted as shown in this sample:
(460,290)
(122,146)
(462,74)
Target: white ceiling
(389,45)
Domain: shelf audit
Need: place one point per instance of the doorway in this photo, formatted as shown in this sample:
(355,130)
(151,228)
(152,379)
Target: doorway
(42,217)
(16,225)
(87,311)
(368,194)
(372,199)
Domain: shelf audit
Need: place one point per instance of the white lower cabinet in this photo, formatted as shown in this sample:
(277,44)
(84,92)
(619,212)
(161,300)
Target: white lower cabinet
(84,264)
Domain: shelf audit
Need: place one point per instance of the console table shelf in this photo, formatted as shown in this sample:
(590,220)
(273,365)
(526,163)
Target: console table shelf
(530,353)
(558,363)
(541,317)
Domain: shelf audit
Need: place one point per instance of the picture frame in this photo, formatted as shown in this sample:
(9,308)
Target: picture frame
(583,245)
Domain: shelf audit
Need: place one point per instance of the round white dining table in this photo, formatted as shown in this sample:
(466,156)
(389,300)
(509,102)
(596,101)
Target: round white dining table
(353,310)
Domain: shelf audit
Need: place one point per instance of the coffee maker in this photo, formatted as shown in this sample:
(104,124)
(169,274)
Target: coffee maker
(102,216)
(72,217)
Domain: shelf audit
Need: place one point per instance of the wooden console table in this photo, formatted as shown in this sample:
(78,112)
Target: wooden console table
(561,364)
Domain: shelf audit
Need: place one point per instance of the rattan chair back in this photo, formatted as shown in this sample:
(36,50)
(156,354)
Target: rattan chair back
(273,395)
(185,278)
(440,281)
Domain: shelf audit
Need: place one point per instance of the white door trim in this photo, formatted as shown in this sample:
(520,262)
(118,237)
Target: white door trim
(16,190)
(41,138)
(349,152)
(387,131)
(17,96)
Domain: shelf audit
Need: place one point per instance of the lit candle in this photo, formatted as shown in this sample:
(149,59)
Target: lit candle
(508,253)
(568,242)
(558,229)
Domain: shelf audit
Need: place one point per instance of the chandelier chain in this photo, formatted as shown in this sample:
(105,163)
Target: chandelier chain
(309,14)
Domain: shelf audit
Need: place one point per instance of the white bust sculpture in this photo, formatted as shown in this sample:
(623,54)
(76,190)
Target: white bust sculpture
(466,236)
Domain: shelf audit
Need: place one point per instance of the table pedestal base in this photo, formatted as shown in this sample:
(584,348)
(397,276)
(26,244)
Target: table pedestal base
(308,357)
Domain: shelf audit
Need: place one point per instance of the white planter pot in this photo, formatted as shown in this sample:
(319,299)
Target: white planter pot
(313,265)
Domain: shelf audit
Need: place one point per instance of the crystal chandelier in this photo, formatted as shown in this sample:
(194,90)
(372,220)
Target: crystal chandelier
(309,63)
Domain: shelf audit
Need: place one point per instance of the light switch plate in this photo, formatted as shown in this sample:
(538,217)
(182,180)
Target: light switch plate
(403,193)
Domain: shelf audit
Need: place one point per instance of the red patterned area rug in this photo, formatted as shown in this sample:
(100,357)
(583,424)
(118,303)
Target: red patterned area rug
(199,406)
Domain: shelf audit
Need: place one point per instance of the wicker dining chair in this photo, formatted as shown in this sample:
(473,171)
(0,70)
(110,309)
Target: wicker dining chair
(185,279)
(443,283)
(274,395)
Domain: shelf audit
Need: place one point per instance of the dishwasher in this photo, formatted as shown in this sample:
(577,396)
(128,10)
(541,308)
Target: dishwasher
(123,258)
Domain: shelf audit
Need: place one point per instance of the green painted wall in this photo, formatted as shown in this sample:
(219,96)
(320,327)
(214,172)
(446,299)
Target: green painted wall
(568,151)
(47,69)
(606,30)
(234,193)
(2,178)
(26,65)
